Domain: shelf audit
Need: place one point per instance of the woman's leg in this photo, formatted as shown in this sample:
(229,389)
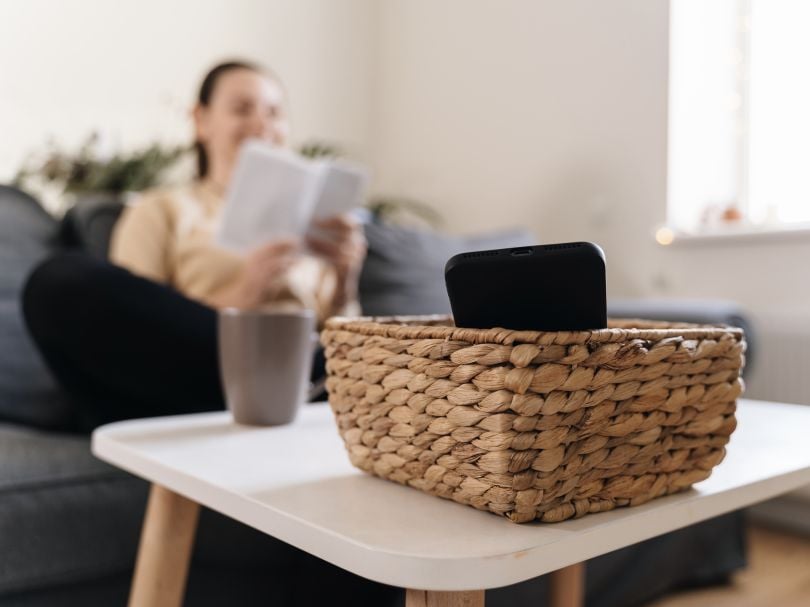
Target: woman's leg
(122,346)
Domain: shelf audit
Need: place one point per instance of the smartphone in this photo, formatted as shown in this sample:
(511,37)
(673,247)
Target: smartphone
(553,287)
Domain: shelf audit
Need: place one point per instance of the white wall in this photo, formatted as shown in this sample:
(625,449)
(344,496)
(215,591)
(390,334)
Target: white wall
(131,69)
(544,113)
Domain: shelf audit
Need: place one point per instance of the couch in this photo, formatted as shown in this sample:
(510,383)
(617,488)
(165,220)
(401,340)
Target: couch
(69,524)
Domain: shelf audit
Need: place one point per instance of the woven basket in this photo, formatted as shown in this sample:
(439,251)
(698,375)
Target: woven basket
(534,425)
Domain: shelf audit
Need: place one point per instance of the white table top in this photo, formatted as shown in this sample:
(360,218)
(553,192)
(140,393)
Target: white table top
(296,483)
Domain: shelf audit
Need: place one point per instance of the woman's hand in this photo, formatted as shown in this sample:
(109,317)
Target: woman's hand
(260,276)
(340,240)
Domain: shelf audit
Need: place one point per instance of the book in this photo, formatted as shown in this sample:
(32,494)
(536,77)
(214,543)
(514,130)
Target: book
(275,193)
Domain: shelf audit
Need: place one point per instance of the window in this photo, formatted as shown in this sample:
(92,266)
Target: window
(739,114)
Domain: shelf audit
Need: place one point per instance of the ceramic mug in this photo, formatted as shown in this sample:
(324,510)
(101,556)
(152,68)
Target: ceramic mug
(265,360)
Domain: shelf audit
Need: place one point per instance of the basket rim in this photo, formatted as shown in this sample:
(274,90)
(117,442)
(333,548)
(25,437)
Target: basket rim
(435,327)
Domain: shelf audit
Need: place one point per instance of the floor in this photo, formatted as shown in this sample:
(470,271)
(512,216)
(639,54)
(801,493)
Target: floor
(778,575)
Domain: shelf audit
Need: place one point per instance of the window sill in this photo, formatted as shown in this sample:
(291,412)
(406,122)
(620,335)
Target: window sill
(739,234)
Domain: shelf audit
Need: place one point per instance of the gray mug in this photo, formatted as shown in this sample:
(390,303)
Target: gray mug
(265,360)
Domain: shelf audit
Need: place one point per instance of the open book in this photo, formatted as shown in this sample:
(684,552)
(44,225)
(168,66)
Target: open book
(275,193)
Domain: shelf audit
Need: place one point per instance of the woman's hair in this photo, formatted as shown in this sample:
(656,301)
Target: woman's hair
(204,98)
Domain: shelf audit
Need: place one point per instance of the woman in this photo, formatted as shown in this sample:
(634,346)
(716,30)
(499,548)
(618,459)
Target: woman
(168,236)
(139,338)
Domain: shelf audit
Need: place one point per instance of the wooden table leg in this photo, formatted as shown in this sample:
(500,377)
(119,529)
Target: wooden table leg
(567,586)
(165,550)
(430,598)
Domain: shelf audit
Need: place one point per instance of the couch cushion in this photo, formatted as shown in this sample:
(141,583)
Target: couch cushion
(64,515)
(404,270)
(28,392)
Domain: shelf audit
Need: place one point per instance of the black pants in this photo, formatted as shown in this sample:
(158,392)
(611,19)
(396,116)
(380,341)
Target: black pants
(120,345)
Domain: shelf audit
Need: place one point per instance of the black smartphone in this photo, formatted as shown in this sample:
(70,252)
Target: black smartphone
(553,287)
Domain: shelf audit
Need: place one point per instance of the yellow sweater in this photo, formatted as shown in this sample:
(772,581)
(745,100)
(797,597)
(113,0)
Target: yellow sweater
(168,236)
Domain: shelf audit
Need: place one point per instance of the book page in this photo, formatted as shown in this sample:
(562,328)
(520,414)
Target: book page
(343,189)
(272,195)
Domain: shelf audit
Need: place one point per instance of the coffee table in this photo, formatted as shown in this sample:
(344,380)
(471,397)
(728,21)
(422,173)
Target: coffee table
(295,483)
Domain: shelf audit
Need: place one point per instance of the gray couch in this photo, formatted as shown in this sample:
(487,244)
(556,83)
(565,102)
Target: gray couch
(69,523)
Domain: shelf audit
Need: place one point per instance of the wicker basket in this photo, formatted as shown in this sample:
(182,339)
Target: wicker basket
(534,425)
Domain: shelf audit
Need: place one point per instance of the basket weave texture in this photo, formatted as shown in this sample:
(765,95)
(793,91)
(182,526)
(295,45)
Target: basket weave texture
(534,425)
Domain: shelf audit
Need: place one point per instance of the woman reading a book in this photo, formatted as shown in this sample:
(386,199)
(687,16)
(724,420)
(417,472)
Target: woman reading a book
(138,338)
